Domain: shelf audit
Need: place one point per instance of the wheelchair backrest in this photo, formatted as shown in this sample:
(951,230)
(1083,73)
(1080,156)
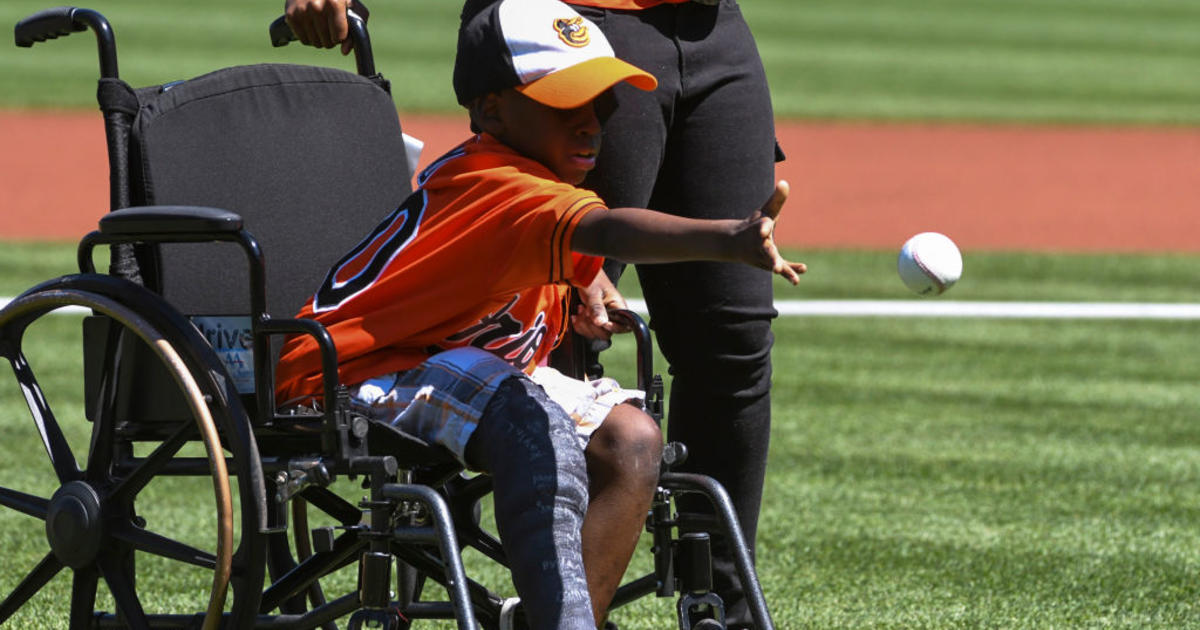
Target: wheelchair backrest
(310,157)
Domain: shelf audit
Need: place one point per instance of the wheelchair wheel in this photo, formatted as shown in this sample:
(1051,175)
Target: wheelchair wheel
(117,501)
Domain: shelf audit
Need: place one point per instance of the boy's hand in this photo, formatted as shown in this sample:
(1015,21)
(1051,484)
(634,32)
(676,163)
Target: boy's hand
(320,23)
(590,319)
(761,225)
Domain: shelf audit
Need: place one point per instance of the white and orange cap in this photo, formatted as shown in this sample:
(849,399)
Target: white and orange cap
(542,48)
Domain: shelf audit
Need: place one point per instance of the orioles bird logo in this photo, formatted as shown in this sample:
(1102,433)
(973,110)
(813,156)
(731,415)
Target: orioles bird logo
(572,31)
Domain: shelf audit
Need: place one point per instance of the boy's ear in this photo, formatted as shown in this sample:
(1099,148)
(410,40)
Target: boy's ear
(485,113)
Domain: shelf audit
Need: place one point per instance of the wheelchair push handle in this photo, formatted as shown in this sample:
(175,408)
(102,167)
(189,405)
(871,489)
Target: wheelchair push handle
(62,21)
(356,19)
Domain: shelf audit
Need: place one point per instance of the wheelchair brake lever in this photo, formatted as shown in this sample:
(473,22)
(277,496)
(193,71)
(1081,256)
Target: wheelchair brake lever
(674,454)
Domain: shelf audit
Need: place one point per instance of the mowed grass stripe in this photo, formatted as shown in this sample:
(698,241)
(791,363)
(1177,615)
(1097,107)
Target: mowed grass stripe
(980,60)
(1060,61)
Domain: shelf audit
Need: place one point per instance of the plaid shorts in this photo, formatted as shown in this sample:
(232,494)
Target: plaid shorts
(442,400)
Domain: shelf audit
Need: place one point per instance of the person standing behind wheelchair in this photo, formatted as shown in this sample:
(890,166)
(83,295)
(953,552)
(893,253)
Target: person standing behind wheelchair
(701,145)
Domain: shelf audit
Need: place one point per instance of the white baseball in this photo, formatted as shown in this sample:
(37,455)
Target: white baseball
(929,263)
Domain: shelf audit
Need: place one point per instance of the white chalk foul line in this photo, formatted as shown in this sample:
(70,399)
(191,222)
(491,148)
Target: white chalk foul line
(951,308)
(938,308)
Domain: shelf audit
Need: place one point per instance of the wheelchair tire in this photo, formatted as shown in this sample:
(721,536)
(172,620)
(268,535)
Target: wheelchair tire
(98,506)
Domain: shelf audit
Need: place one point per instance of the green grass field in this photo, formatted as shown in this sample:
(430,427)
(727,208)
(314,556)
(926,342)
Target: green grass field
(924,473)
(1072,61)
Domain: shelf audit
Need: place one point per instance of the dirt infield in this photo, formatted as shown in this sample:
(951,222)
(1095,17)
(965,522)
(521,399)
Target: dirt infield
(853,185)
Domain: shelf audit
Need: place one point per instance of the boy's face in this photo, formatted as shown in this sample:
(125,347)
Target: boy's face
(564,140)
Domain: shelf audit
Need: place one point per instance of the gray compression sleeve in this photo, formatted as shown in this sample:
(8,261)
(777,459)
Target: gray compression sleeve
(527,443)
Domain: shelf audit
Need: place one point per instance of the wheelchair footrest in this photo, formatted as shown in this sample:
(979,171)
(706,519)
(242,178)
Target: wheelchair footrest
(695,608)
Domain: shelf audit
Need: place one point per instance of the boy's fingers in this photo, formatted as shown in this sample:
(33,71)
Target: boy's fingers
(766,230)
(618,327)
(586,326)
(771,211)
(791,270)
(787,272)
(596,315)
(599,314)
(775,203)
(614,301)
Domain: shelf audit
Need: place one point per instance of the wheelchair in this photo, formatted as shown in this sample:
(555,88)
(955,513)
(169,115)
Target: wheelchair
(178,341)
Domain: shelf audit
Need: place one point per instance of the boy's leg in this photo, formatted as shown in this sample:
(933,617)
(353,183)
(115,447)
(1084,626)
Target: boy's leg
(622,461)
(528,445)
(493,418)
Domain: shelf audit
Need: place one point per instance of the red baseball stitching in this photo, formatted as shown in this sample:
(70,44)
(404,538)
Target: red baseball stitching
(941,286)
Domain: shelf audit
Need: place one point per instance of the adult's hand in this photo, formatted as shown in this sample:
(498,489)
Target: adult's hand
(320,23)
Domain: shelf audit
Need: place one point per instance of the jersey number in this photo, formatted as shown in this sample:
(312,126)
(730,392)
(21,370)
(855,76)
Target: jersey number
(360,268)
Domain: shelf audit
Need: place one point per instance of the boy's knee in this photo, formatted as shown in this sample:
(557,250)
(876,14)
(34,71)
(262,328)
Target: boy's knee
(629,443)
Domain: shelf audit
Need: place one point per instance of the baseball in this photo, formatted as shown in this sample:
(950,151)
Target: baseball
(929,263)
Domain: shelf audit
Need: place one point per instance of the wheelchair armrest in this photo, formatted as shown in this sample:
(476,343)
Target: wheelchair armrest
(633,321)
(178,224)
(648,381)
(171,221)
(187,224)
(328,352)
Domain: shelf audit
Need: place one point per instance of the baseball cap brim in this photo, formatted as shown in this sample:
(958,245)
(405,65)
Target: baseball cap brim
(578,84)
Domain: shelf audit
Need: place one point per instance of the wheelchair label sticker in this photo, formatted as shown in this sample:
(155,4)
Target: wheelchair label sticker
(230,336)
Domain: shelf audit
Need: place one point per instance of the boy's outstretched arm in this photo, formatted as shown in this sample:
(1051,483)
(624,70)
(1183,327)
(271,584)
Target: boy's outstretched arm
(636,235)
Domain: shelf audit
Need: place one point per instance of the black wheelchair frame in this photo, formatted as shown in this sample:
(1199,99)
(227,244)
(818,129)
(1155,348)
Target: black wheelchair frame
(152,380)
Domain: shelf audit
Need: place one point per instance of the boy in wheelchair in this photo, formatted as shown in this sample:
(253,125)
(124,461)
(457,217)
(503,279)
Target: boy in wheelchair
(444,315)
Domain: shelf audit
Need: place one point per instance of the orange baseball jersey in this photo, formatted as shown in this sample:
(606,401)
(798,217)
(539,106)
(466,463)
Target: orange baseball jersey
(478,255)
